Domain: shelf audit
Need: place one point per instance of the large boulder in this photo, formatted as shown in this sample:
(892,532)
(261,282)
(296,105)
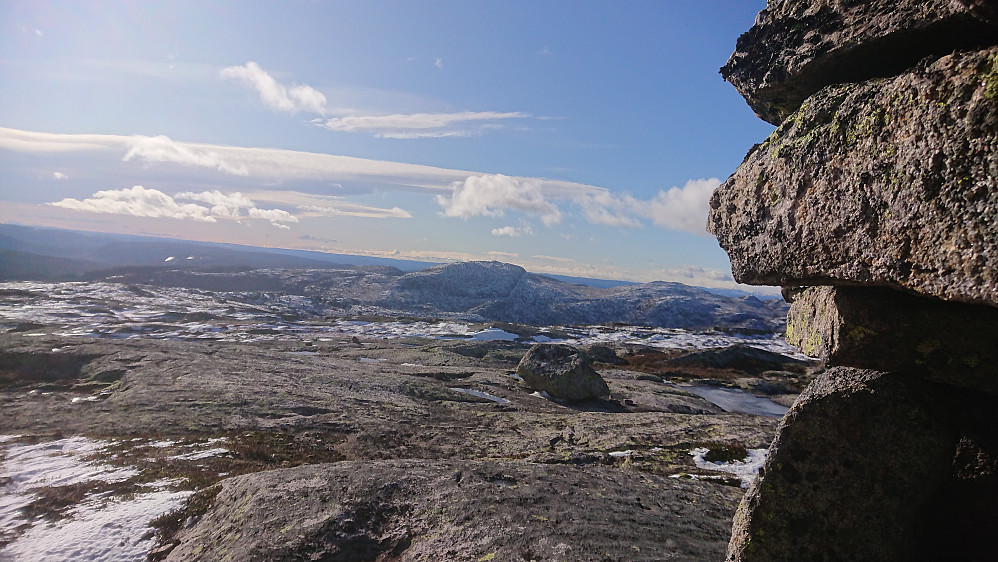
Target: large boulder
(892,182)
(877,328)
(875,466)
(562,371)
(796,48)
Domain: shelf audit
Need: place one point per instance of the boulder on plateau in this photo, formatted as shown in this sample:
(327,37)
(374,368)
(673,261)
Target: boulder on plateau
(875,466)
(562,371)
(891,182)
(796,48)
(877,328)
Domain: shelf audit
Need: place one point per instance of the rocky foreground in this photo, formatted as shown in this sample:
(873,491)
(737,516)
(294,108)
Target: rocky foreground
(344,448)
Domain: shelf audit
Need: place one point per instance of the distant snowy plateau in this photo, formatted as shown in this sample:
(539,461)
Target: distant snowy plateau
(462,300)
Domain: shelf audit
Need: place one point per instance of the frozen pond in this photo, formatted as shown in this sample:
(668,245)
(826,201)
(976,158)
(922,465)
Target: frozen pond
(736,400)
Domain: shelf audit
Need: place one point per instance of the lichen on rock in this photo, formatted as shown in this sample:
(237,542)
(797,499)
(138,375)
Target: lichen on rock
(892,182)
(878,328)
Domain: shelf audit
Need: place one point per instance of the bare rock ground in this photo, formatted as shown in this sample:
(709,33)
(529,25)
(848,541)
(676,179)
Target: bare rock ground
(407,449)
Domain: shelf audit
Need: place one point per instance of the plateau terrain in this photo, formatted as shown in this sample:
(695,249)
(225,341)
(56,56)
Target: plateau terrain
(335,412)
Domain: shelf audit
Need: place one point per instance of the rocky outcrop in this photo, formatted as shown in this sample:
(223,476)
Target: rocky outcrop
(796,48)
(891,182)
(875,466)
(562,371)
(874,205)
(882,329)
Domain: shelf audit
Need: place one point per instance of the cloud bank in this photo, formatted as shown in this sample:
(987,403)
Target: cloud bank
(162,149)
(138,201)
(459,193)
(678,208)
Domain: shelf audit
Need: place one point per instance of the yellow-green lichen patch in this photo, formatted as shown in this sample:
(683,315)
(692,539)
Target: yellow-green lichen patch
(989,77)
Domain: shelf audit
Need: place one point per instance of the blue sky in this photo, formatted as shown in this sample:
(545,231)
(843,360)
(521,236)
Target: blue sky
(567,137)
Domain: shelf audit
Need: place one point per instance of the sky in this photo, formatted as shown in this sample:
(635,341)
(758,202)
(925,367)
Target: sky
(575,138)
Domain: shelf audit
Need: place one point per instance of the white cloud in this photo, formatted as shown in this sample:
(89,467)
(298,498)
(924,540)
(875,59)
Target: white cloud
(348,209)
(512,231)
(301,98)
(59,176)
(491,194)
(162,149)
(222,204)
(460,193)
(416,125)
(507,256)
(683,209)
(554,259)
(138,201)
(605,208)
(275,95)
(438,62)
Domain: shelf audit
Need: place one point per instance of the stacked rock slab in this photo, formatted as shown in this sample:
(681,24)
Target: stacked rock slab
(875,205)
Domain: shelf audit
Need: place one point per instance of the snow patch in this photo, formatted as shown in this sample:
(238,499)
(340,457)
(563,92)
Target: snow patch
(746,470)
(480,394)
(199,455)
(99,528)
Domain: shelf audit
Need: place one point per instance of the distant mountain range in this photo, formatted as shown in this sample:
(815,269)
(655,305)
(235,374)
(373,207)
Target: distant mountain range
(333,284)
(69,254)
(505,292)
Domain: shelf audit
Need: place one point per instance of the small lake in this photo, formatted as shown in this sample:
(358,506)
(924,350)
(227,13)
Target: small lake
(736,400)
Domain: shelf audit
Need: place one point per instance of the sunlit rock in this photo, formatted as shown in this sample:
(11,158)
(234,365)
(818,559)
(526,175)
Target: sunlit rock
(795,48)
(891,182)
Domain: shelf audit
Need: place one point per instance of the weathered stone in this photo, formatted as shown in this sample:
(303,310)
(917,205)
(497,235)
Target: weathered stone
(883,329)
(871,466)
(795,48)
(409,510)
(562,371)
(893,182)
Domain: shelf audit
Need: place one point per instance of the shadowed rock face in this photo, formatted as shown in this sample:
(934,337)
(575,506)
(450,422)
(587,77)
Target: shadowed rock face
(879,328)
(892,182)
(796,48)
(875,466)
